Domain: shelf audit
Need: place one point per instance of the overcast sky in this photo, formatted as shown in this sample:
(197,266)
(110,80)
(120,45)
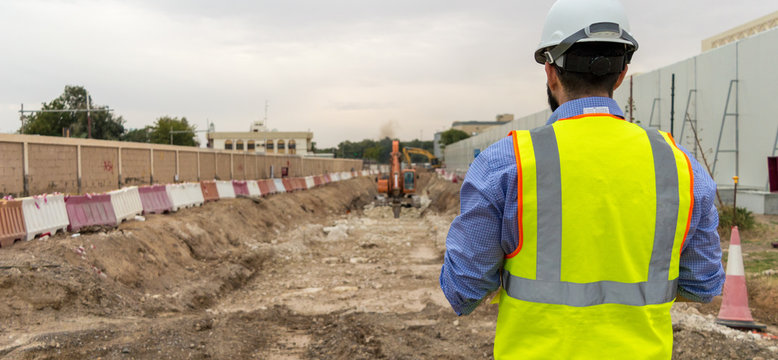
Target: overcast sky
(344,69)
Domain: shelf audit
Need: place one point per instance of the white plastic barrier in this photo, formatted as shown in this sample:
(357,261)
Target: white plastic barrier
(253,188)
(225,189)
(181,196)
(335,177)
(309,182)
(279,185)
(345,175)
(126,203)
(45,214)
(194,194)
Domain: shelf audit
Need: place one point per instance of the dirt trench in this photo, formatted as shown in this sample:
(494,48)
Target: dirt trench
(320,274)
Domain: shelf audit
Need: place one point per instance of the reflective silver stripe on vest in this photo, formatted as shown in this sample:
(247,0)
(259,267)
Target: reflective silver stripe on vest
(548,288)
(589,294)
(549,190)
(667,204)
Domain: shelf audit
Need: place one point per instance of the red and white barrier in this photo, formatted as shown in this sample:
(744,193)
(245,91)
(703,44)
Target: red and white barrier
(44,215)
(279,184)
(154,199)
(266,187)
(240,187)
(310,183)
(288,185)
(184,195)
(225,189)
(253,188)
(208,190)
(89,210)
(11,222)
(126,203)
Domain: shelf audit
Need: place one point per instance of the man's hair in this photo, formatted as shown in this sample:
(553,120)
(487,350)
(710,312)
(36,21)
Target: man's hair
(581,84)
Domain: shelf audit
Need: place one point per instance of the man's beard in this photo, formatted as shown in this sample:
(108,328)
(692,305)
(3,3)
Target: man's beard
(551,100)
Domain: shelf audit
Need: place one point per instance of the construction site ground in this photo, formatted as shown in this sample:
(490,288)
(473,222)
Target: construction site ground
(318,274)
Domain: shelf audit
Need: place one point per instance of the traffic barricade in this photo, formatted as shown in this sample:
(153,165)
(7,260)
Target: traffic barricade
(194,195)
(44,215)
(299,184)
(253,188)
(178,196)
(279,184)
(265,187)
(126,203)
(335,177)
(327,178)
(310,183)
(208,188)
(318,180)
(225,189)
(89,210)
(287,182)
(11,222)
(240,187)
(154,199)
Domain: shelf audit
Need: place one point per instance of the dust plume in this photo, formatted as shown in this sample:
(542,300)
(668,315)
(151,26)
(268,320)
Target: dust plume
(388,129)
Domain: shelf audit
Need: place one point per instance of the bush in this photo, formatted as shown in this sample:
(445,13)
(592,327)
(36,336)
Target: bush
(742,218)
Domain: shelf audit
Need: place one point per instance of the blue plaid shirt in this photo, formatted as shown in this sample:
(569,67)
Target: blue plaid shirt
(486,229)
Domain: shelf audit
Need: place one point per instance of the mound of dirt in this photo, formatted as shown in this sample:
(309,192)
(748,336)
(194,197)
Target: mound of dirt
(168,263)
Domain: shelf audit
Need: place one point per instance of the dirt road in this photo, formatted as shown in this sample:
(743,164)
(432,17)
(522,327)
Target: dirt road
(320,274)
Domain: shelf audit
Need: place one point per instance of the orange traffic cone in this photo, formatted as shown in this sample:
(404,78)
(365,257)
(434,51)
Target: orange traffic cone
(734,310)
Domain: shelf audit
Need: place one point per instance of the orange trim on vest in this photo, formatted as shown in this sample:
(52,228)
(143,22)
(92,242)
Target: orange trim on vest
(691,186)
(593,114)
(519,195)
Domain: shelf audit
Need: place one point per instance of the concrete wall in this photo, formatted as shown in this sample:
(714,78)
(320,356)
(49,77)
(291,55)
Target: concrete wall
(701,86)
(459,155)
(32,165)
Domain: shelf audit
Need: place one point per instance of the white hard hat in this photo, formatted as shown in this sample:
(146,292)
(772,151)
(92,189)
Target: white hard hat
(572,21)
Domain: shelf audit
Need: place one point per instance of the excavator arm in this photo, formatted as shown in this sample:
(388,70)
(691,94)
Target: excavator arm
(419,151)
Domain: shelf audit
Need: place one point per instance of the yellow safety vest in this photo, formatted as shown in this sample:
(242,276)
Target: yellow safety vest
(603,209)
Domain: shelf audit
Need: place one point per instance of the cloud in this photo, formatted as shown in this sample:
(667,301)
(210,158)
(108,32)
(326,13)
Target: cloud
(337,67)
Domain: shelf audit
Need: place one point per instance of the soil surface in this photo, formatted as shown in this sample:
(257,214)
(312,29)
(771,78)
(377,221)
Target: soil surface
(319,274)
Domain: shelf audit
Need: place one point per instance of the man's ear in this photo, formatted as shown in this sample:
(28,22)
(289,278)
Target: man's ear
(552,77)
(621,77)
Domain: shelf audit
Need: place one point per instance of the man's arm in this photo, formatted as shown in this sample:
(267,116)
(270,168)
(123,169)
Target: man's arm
(701,275)
(473,251)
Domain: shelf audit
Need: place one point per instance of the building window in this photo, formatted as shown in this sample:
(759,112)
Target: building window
(228,145)
(250,145)
(292,147)
(239,145)
(281,147)
(269,145)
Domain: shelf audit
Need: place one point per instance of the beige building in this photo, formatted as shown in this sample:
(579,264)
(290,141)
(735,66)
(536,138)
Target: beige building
(477,127)
(750,28)
(259,140)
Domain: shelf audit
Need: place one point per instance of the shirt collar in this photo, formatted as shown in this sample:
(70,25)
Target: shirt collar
(586,105)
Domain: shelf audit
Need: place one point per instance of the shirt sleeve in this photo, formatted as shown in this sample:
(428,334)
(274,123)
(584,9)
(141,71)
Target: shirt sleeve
(474,254)
(701,275)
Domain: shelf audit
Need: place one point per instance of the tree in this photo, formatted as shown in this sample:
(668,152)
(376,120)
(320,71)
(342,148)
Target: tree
(451,136)
(138,135)
(160,132)
(104,124)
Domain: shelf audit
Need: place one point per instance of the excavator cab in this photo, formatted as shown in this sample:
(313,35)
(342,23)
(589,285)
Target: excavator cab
(409,178)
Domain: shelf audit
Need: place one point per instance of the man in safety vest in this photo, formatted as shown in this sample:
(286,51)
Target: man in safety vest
(590,226)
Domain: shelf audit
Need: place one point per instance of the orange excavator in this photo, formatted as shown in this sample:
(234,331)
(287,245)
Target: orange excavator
(398,188)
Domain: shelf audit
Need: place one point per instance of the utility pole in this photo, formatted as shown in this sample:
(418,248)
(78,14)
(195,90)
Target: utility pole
(88,118)
(672,106)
